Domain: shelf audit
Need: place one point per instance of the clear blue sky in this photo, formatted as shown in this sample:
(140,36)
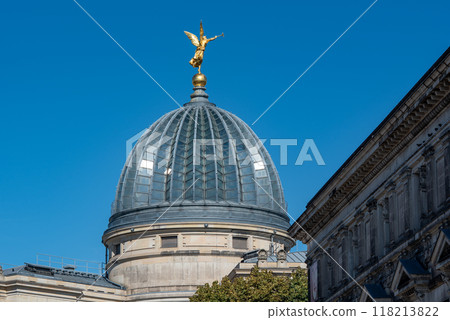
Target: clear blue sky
(70,98)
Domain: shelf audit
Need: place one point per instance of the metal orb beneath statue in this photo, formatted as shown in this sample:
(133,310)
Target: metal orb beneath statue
(199,80)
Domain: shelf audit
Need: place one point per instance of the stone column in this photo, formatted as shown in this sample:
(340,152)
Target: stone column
(339,256)
(350,253)
(392,209)
(430,179)
(379,230)
(346,247)
(330,265)
(386,227)
(355,246)
(404,201)
(357,241)
(320,257)
(372,218)
(423,194)
(443,168)
(416,202)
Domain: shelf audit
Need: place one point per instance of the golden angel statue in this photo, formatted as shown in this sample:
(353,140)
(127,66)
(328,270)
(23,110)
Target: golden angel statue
(197,60)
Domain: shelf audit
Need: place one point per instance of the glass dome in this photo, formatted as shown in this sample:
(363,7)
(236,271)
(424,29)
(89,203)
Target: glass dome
(199,155)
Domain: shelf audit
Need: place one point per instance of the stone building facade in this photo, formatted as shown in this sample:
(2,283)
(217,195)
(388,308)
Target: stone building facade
(38,283)
(384,215)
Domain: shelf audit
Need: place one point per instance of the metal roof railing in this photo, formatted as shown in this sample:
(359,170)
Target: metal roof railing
(7,265)
(59,262)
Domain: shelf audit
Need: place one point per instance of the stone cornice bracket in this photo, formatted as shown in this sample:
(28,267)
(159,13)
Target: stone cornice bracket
(343,230)
(445,136)
(319,254)
(428,152)
(332,193)
(332,239)
(359,215)
(390,185)
(315,254)
(405,172)
(371,204)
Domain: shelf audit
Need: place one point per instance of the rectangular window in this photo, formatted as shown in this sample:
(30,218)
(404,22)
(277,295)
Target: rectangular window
(169,242)
(240,243)
(117,249)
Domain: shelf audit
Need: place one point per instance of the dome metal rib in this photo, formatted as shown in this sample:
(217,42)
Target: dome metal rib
(200,155)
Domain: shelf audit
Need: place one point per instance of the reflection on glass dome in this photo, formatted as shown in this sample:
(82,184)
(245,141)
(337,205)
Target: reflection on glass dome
(199,153)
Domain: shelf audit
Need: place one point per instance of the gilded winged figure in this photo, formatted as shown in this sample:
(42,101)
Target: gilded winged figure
(197,60)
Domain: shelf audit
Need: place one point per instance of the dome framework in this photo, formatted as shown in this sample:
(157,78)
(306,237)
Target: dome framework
(199,155)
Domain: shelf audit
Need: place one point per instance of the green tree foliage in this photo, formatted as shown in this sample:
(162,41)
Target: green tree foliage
(261,285)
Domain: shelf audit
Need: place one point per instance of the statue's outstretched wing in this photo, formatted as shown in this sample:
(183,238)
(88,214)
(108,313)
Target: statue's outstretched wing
(202,33)
(193,38)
